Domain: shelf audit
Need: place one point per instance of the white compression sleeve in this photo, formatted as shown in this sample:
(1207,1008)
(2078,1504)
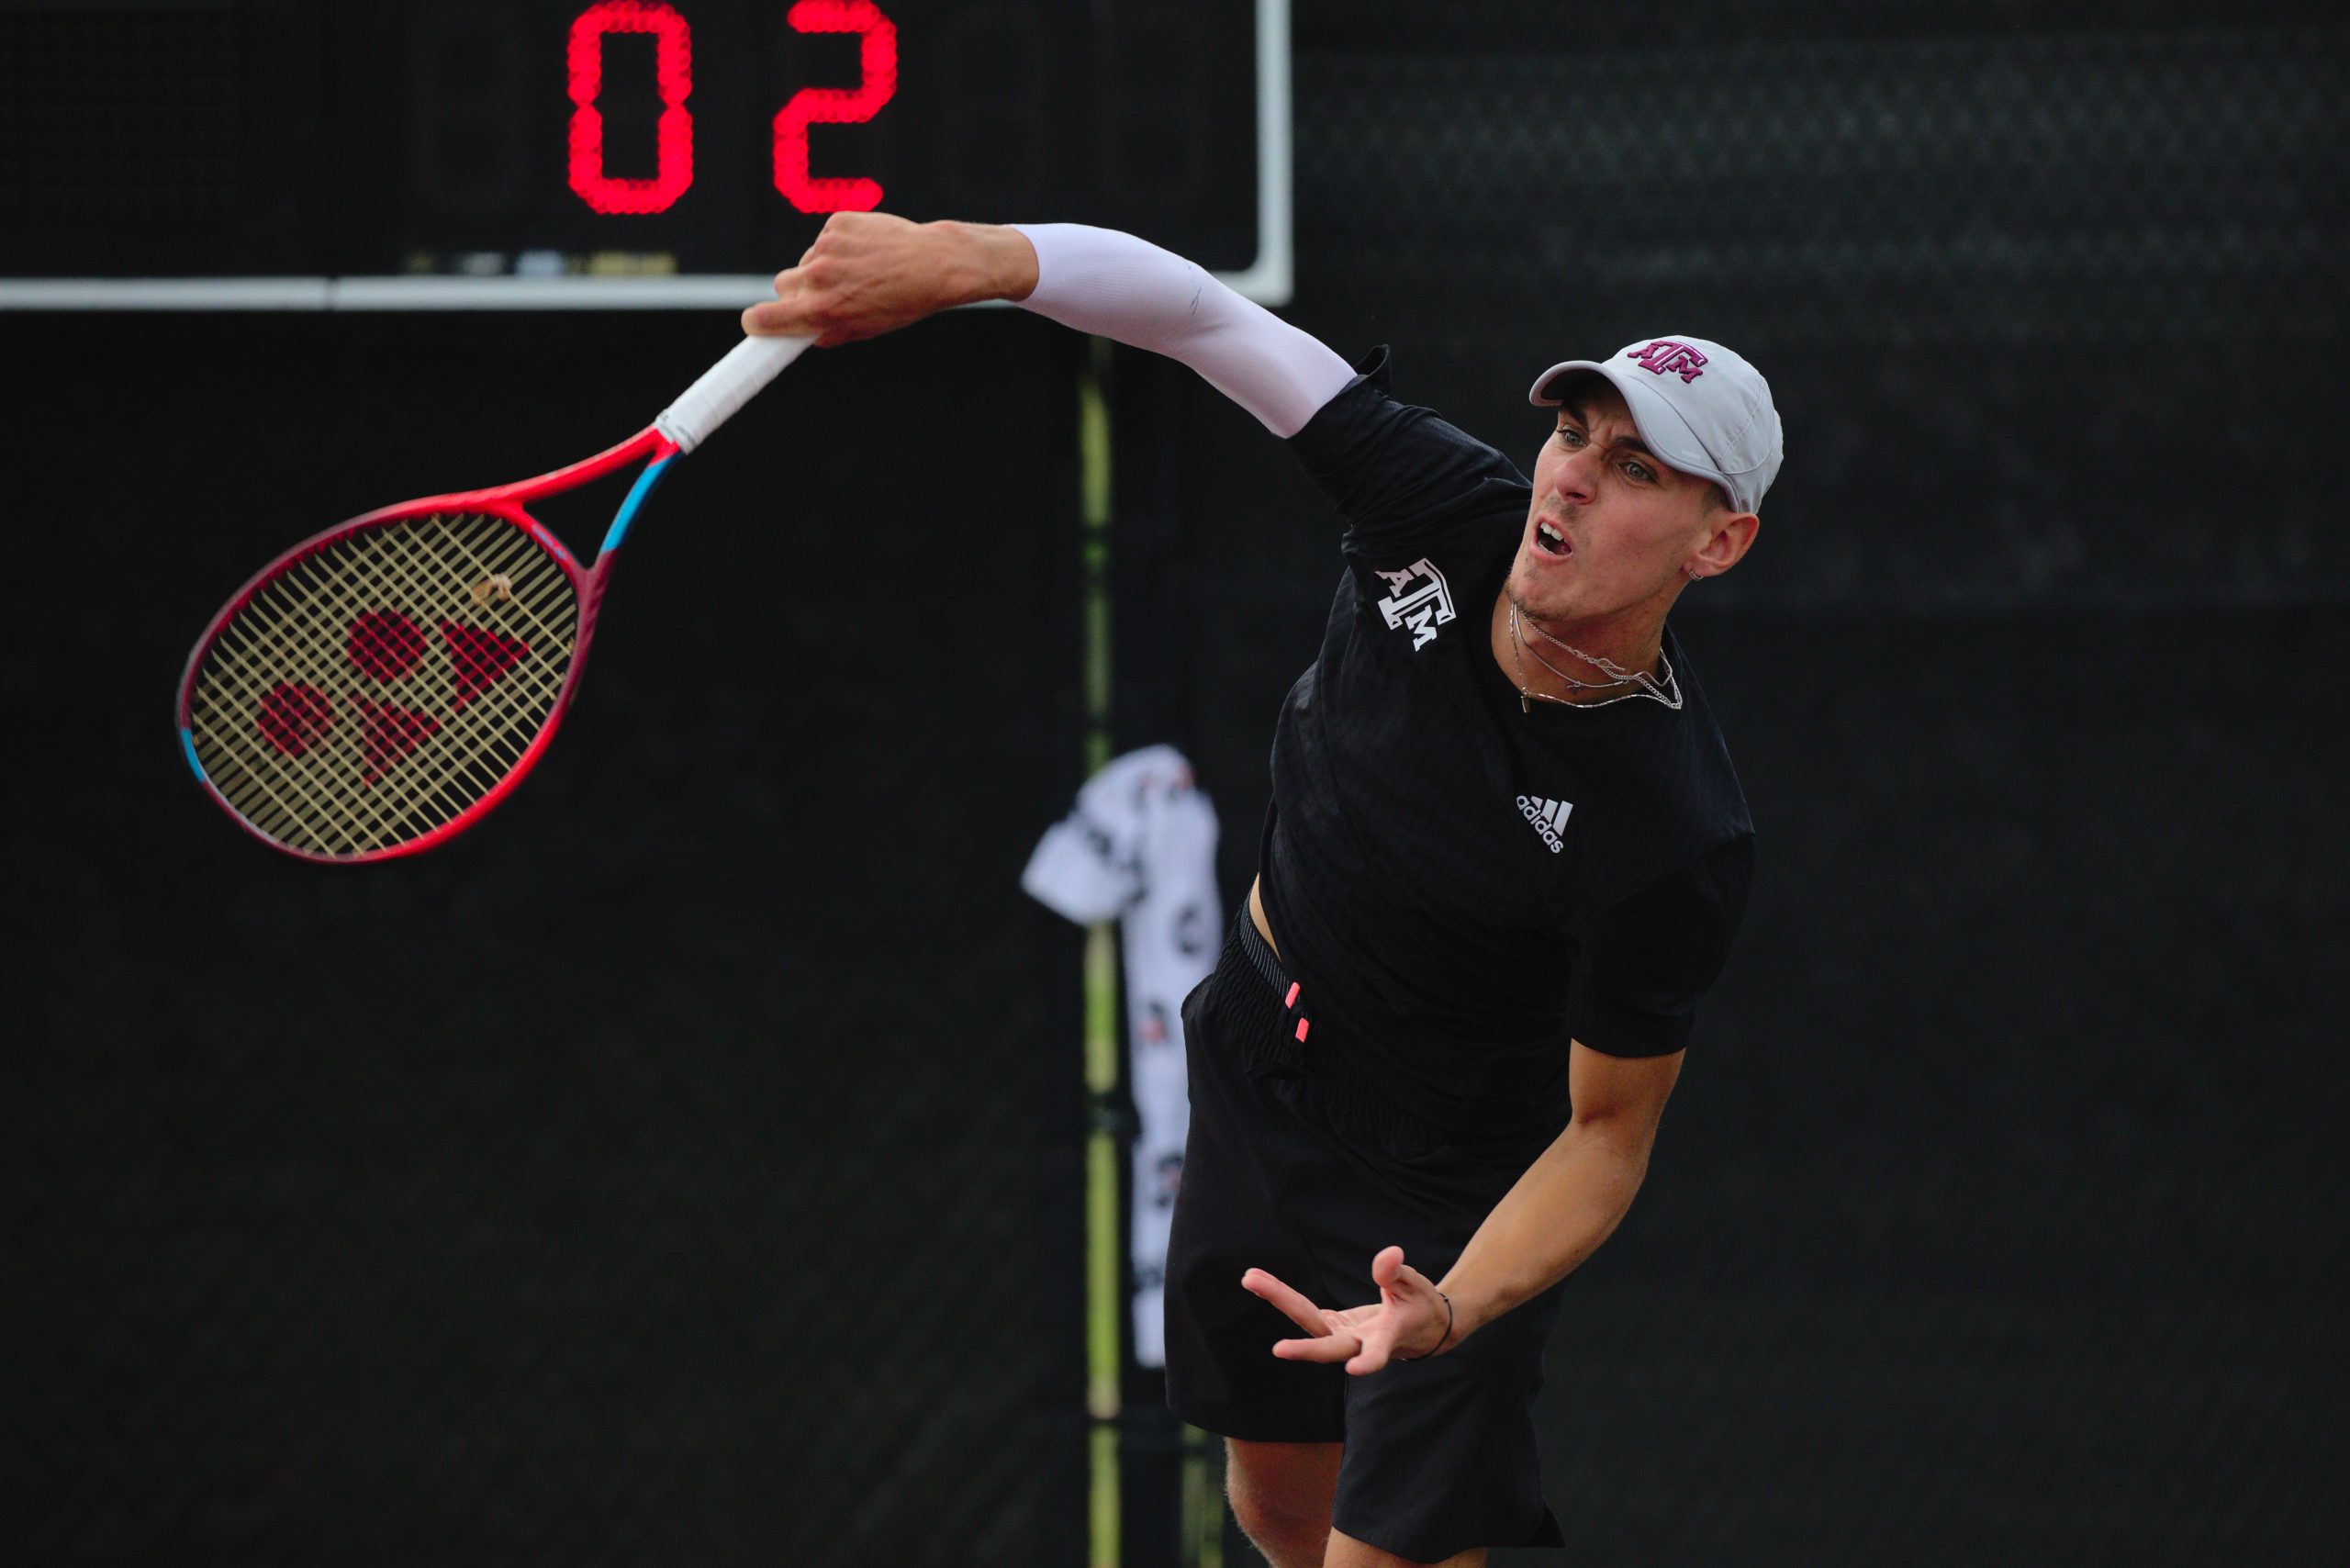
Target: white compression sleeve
(1100,281)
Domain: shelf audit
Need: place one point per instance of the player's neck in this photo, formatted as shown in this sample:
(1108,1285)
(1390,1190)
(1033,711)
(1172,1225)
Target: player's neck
(1531,655)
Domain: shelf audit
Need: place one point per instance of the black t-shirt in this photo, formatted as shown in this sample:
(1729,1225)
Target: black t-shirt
(1461,886)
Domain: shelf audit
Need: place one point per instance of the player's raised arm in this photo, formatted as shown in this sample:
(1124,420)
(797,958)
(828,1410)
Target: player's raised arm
(869,273)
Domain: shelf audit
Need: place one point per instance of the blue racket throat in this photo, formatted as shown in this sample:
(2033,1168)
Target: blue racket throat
(637,492)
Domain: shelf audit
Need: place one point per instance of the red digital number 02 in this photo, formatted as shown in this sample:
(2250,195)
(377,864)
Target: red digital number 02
(673,74)
(877,61)
(672,68)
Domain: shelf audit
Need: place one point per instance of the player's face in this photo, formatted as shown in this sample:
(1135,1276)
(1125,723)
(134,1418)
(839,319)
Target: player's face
(1610,526)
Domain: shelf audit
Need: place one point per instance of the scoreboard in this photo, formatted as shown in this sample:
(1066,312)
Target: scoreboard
(614,154)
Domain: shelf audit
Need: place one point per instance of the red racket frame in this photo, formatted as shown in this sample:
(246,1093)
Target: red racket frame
(506,501)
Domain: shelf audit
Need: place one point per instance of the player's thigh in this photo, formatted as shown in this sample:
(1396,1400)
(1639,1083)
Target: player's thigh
(1289,1484)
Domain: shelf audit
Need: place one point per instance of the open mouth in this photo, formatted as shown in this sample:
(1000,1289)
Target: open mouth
(1551,541)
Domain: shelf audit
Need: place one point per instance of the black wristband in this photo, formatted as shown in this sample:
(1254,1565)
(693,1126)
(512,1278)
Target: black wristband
(1440,1344)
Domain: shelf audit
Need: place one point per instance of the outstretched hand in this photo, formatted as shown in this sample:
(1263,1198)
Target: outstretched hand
(870,273)
(1408,1321)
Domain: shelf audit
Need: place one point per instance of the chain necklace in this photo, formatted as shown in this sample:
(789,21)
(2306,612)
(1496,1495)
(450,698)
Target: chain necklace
(1643,684)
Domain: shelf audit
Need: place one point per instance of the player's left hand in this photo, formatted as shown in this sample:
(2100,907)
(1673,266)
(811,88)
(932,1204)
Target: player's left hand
(1408,1321)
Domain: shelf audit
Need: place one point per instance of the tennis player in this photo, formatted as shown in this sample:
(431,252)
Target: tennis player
(1506,854)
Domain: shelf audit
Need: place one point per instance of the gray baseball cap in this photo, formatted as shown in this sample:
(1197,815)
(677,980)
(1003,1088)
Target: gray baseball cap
(1701,408)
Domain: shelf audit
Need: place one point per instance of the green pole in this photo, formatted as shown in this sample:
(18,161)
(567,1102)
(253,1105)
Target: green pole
(1103,1274)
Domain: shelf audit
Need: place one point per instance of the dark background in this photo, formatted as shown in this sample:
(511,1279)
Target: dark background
(679,1166)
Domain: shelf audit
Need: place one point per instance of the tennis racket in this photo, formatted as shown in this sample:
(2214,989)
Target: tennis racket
(377,689)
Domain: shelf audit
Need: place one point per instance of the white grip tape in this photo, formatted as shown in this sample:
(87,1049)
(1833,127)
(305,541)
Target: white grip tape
(725,386)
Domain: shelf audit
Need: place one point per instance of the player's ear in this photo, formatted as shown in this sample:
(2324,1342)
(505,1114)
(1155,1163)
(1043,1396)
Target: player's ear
(1731,536)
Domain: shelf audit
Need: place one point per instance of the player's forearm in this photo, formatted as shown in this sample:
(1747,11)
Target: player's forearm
(870,273)
(1126,289)
(1566,1203)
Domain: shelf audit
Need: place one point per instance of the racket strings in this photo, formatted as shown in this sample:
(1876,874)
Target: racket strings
(373,795)
(327,605)
(379,687)
(343,789)
(391,729)
(291,717)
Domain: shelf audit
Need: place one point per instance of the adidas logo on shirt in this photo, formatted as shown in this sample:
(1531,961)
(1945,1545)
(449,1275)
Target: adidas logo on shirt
(1548,817)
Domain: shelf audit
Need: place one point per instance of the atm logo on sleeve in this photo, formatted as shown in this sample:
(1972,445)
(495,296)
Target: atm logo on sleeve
(1422,608)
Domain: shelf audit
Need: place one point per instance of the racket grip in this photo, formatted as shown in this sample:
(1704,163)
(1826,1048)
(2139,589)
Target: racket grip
(725,386)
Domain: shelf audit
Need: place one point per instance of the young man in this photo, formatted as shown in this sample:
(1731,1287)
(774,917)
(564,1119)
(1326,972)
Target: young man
(1506,854)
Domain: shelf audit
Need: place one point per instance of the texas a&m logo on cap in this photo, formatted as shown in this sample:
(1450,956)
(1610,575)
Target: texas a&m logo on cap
(1665,357)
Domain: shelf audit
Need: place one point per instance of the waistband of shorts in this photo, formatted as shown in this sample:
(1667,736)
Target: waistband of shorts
(1260,952)
(1294,1052)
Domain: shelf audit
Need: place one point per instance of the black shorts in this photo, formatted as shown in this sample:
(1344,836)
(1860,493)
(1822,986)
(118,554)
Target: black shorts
(1296,1167)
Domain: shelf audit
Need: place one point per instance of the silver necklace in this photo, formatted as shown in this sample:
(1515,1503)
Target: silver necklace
(1667,691)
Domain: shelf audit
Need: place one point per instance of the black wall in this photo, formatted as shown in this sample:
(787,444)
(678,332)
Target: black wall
(678,1166)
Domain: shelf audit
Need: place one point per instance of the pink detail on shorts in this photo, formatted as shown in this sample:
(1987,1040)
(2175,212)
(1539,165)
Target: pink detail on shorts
(1291,1000)
(1665,357)
(1301,1031)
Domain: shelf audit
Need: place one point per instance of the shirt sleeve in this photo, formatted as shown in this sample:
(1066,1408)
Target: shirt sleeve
(1396,473)
(1642,963)
(1131,291)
